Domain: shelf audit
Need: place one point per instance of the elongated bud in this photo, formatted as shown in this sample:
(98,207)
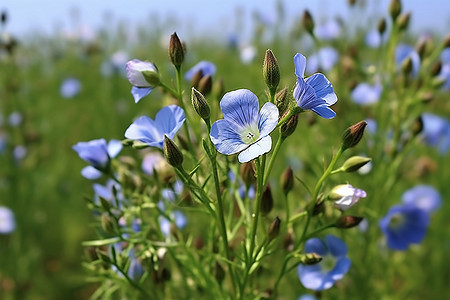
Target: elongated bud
(407,66)
(219,272)
(417,126)
(176,50)
(287,180)
(195,81)
(107,223)
(266,200)
(4,17)
(354,163)
(205,84)
(381,26)
(172,153)
(289,126)
(308,22)
(395,8)
(105,204)
(345,222)
(281,100)
(271,71)
(200,105)
(319,208)
(436,68)
(310,258)
(274,228)
(403,21)
(248,173)
(353,134)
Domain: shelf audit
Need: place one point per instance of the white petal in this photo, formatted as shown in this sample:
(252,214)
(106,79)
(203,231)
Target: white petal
(259,148)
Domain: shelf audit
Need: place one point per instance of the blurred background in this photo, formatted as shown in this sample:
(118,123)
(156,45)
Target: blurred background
(62,81)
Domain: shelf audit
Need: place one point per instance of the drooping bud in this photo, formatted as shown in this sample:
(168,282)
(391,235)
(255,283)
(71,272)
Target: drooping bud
(274,228)
(142,73)
(281,100)
(205,84)
(310,258)
(176,50)
(248,173)
(172,153)
(395,8)
(345,196)
(200,104)
(287,180)
(266,200)
(271,71)
(308,22)
(403,21)
(353,134)
(354,163)
(381,26)
(289,126)
(345,222)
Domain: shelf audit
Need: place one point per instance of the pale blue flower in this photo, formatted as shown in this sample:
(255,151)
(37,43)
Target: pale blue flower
(7,220)
(15,119)
(345,196)
(107,192)
(324,60)
(151,162)
(248,54)
(167,122)
(207,68)
(436,132)
(243,129)
(373,39)
(19,152)
(402,52)
(142,86)
(70,88)
(177,217)
(328,30)
(424,197)
(445,69)
(334,265)
(366,94)
(307,297)
(315,92)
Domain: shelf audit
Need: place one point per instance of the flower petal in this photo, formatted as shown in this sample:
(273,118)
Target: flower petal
(240,107)
(134,70)
(91,173)
(268,119)
(259,148)
(322,87)
(147,131)
(336,246)
(315,245)
(340,269)
(311,277)
(114,147)
(305,96)
(139,93)
(226,138)
(170,119)
(300,65)
(324,111)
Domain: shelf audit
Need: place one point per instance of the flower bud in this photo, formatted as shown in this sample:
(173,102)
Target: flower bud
(266,200)
(354,163)
(308,22)
(196,78)
(274,228)
(248,173)
(205,84)
(395,8)
(287,180)
(4,17)
(219,272)
(436,68)
(407,66)
(381,26)
(351,2)
(271,71)
(318,208)
(345,196)
(200,104)
(310,258)
(345,222)
(447,41)
(172,153)
(176,50)
(107,223)
(403,21)
(282,101)
(289,126)
(142,73)
(417,126)
(353,134)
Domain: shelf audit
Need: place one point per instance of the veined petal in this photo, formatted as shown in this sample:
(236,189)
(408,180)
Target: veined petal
(322,87)
(226,138)
(268,119)
(140,92)
(147,131)
(305,95)
(240,107)
(324,111)
(300,65)
(170,119)
(259,148)
(114,147)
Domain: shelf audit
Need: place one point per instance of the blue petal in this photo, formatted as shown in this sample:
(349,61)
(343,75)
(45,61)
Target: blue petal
(305,95)
(328,57)
(139,93)
(324,111)
(300,65)
(312,277)
(315,245)
(180,219)
(336,246)
(226,138)
(256,149)
(268,119)
(91,173)
(340,269)
(322,87)
(240,107)
(365,94)
(424,197)
(170,119)
(103,191)
(114,147)
(147,131)
(207,68)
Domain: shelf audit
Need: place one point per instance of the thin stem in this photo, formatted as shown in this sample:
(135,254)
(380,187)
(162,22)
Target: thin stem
(272,158)
(260,175)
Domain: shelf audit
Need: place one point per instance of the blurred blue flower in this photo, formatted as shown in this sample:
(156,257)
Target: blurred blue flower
(366,94)
(142,85)
(307,297)
(135,269)
(107,192)
(404,225)
(19,152)
(207,68)
(251,192)
(248,54)
(178,217)
(436,132)
(371,126)
(402,52)
(3,142)
(373,39)
(98,154)
(445,69)
(323,60)
(243,129)
(167,122)
(7,220)
(116,64)
(424,197)
(15,119)
(328,30)
(333,267)
(70,88)
(315,93)
(151,162)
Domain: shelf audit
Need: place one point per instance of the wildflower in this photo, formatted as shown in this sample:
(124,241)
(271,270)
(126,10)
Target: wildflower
(178,217)
(144,77)
(333,266)
(315,93)
(436,132)
(98,154)
(70,88)
(327,31)
(365,94)
(207,68)
(373,39)
(167,122)
(111,192)
(404,225)
(345,196)
(7,220)
(324,60)
(135,269)
(403,52)
(19,152)
(15,119)
(424,197)
(243,129)
(152,162)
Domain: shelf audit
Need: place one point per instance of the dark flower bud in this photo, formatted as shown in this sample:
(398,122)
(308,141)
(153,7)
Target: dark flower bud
(427,97)
(345,222)
(417,126)
(395,8)
(403,21)
(436,68)
(319,207)
(447,41)
(271,71)
(107,223)
(200,105)
(351,2)
(176,50)
(196,78)
(4,17)
(282,101)
(381,26)
(308,22)
(91,253)
(288,241)
(287,180)
(266,200)
(310,258)
(407,66)
(172,153)
(423,46)
(205,85)
(289,126)
(354,163)
(248,173)
(353,134)
(274,228)
(219,272)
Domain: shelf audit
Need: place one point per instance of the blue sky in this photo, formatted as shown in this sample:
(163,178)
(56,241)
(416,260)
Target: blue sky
(202,16)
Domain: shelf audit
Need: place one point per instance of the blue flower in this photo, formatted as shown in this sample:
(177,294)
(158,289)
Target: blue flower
(70,88)
(135,269)
(436,132)
(178,217)
(98,154)
(107,192)
(243,129)
(424,197)
(151,162)
(307,297)
(167,122)
(365,94)
(373,39)
(144,77)
(15,119)
(402,52)
(315,93)
(323,60)
(207,68)
(404,225)
(7,220)
(333,267)
(328,31)
(445,69)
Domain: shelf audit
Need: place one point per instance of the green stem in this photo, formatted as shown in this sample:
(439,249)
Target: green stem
(260,165)
(272,158)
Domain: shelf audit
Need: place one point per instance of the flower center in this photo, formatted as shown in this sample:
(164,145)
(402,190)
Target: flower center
(397,221)
(250,134)
(328,263)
